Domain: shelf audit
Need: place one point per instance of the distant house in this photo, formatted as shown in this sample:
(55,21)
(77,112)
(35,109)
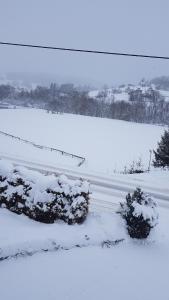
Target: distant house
(4,105)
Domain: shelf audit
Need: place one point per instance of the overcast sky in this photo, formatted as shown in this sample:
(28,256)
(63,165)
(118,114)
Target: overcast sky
(112,25)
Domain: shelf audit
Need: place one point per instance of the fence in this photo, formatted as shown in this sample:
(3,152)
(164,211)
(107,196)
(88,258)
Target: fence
(82,159)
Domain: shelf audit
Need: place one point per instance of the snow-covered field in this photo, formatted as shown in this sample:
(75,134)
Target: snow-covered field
(107,145)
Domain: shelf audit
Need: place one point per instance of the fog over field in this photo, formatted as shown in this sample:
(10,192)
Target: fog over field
(119,26)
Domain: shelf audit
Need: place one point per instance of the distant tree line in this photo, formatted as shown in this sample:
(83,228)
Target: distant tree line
(144,107)
(161,82)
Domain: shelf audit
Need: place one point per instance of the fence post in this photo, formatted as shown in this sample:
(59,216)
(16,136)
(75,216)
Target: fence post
(149,165)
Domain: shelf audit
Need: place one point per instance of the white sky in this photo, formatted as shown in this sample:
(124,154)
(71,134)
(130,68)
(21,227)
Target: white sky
(113,25)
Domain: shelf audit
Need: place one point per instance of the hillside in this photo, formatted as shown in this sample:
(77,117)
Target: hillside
(143,103)
(107,145)
(128,92)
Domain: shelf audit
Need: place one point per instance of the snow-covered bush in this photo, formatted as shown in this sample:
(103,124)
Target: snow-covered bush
(135,168)
(140,214)
(43,198)
(70,200)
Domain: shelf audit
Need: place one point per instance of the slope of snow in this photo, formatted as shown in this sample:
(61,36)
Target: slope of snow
(108,145)
(122,93)
(111,96)
(121,97)
(93,94)
(22,234)
(165,94)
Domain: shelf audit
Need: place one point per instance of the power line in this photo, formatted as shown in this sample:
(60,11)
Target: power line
(85,50)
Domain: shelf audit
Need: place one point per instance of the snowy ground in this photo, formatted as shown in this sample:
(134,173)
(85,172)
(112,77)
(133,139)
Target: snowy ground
(107,145)
(130,270)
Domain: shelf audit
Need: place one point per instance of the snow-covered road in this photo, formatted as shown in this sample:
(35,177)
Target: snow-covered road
(107,191)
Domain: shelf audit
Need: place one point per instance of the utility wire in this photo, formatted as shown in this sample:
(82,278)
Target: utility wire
(84,50)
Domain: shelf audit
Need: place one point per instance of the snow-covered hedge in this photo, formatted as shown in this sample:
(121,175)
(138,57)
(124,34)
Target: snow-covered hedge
(43,198)
(140,214)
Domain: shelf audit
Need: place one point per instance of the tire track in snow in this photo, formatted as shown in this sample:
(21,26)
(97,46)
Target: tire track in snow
(101,186)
